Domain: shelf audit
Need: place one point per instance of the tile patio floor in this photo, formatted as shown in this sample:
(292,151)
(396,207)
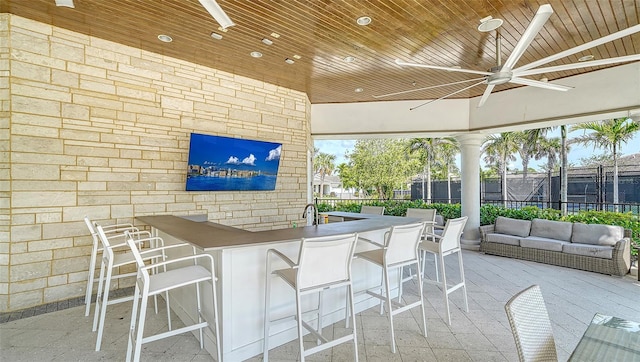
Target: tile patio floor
(483,334)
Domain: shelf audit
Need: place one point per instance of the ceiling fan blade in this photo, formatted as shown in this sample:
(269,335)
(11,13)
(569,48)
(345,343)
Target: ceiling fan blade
(539,84)
(579,48)
(591,63)
(541,17)
(425,88)
(216,11)
(448,95)
(485,95)
(471,71)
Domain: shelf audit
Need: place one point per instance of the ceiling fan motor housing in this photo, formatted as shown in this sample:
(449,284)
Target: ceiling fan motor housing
(499,76)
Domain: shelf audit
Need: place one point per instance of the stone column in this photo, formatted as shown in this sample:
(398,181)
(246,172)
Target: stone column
(470,145)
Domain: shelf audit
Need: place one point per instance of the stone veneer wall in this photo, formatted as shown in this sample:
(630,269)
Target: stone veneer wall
(101,129)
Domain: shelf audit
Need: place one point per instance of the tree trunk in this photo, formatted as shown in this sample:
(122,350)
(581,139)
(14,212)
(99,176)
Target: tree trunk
(448,183)
(615,177)
(504,182)
(564,172)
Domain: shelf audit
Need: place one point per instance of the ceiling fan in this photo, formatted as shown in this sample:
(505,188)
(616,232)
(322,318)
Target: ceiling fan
(507,72)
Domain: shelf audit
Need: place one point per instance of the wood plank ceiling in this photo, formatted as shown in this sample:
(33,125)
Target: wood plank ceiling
(324,32)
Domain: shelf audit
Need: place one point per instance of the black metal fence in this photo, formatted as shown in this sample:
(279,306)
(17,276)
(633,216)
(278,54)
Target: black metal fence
(588,189)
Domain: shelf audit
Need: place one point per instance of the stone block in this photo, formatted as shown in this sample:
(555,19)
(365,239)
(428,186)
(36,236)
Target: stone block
(25,299)
(26,232)
(121,211)
(30,271)
(92,186)
(75,111)
(30,257)
(35,131)
(69,265)
(67,52)
(60,280)
(62,230)
(77,213)
(140,72)
(35,172)
(31,105)
(64,78)
(50,244)
(86,69)
(43,185)
(103,87)
(28,285)
(61,292)
(109,176)
(167,102)
(43,199)
(48,217)
(95,101)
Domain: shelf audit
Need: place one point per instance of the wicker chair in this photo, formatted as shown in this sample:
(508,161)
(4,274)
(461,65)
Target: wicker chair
(531,327)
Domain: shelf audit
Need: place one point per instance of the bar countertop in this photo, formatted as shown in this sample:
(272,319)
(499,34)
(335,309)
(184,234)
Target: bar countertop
(213,236)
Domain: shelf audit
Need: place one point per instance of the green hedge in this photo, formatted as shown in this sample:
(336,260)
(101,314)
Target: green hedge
(489,213)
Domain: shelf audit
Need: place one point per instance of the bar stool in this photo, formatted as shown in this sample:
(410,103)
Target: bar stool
(114,232)
(400,249)
(428,216)
(374,210)
(323,263)
(442,245)
(162,282)
(112,260)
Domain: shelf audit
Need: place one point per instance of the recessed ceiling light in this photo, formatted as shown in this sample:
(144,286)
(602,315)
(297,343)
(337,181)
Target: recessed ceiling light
(349,59)
(289,61)
(275,35)
(586,58)
(224,30)
(297,56)
(65,3)
(267,41)
(363,20)
(359,90)
(216,36)
(256,54)
(489,23)
(165,38)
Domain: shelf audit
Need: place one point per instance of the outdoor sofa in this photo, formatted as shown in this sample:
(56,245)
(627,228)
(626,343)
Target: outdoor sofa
(594,247)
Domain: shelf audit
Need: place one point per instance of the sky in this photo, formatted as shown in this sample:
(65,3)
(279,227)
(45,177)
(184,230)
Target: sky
(340,147)
(225,152)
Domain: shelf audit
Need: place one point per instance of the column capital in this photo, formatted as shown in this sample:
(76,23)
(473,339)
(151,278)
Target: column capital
(471,139)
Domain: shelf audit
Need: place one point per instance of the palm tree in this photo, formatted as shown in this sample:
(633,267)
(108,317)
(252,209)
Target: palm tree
(446,159)
(609,134)
(548,148)
(499,149)
(536,134)
(527,149)
(323,164)
(429,146)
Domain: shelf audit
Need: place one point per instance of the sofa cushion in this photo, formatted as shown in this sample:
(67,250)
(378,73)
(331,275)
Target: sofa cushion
(542,243)
(597,251)
(503,239)
(596,234)
(505,225)
(558,230)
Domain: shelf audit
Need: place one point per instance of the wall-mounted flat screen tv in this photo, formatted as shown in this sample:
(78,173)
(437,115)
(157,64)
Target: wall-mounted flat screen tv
(231,164)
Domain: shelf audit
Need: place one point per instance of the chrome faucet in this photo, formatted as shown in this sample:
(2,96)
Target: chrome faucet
(304,213)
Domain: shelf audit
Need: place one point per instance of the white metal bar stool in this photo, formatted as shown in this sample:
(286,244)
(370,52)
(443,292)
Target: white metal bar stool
(442,245)
(153,284)
(112,260)
(400,249)
(323,263)
(115,233)
(428,216)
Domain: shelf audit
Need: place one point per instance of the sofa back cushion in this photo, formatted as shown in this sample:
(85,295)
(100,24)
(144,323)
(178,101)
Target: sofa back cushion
(558,230)
(596,234)
(505,225)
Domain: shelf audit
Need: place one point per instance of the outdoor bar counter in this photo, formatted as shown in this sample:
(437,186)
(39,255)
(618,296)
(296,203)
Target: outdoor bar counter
(240,258)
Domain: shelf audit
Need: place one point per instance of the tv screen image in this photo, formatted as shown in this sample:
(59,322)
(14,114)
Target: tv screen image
(219,163)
